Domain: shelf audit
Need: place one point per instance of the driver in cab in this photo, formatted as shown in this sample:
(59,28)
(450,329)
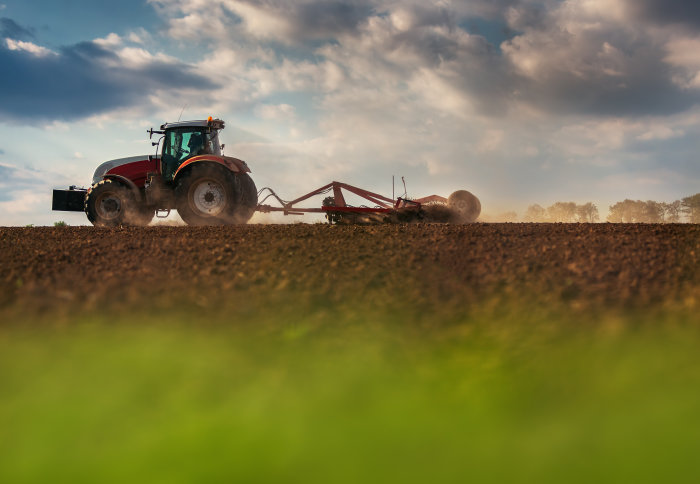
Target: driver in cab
(197,146)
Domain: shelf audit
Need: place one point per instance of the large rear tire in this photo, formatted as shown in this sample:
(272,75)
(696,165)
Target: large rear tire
(464,206)
(111,204)
(207,195)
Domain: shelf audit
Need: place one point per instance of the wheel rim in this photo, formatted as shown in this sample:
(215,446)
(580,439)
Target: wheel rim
(208,197)
(108,206)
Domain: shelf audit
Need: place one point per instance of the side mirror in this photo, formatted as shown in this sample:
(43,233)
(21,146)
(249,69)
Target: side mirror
(151,132)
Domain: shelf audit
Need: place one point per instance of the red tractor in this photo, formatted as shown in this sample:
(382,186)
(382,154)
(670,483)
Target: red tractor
(206,188)
(191,175)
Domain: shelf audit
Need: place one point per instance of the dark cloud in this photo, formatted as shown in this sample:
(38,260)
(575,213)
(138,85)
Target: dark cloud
(686,12)
(323,19)
(604,71)
(613,69)
(608,70)
(82,80)
(475,67)
(653,95)
(642,85)
(11,29)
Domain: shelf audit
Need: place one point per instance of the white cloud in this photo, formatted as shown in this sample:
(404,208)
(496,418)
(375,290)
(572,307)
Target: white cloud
(139,36)
(23,202)
(283,112)
(492,140)
(111,41)
(260,21)
(684,55)
(660,132)
(33,49)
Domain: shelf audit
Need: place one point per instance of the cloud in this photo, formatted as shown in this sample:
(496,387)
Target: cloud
(14,179)
(282,21)
(674,12)
(85,79)
(34,49)
(322,19)
(139,36)
(276,112)
(581,57)
(588,58)
(11,29)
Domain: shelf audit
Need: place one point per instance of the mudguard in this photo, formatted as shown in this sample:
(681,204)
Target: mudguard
(125,181)
(233,164)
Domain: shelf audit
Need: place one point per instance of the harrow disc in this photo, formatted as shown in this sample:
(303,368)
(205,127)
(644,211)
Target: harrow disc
(464,206)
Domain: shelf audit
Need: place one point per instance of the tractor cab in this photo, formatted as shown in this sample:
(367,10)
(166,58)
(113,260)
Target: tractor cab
(187,139)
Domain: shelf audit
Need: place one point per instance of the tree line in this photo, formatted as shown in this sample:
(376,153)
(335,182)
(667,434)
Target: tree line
(628,211)
(562,212)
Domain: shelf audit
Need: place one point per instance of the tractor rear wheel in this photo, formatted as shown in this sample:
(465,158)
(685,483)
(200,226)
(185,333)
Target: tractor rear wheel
(207,195)
(464,206)
(110,204)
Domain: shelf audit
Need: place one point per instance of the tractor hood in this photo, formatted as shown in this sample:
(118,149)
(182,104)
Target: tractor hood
(102,170)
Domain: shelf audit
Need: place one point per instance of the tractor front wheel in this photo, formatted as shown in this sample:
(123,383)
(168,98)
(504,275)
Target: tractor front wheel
(207,195)
(110,204)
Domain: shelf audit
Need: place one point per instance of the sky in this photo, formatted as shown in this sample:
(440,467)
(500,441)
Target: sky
(517,101)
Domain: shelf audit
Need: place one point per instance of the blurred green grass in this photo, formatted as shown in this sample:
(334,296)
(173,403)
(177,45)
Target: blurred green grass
(517,394)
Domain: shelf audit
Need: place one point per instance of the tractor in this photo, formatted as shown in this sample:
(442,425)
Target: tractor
(190,175)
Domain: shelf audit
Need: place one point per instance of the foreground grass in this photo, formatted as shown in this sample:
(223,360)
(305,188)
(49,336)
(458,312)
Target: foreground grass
(512,396)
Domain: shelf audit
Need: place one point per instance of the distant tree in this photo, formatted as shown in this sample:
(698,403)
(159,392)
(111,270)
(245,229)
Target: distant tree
(621,212)
(637,211)
(587,213)
(629,211)
(535,213)
(616,214)
(60,224)
(562,212)
(672,211)
(651,212)
(690,206)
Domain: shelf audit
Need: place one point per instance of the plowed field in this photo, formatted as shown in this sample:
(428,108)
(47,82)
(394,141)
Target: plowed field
(315,353)
(426,270)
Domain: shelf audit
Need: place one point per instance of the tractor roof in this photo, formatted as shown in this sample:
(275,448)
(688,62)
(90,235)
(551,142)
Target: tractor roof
(200,123)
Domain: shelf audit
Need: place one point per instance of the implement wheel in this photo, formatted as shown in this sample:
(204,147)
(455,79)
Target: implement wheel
(207,195)
(464,206)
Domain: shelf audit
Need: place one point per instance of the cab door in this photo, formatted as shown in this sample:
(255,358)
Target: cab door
(175,151)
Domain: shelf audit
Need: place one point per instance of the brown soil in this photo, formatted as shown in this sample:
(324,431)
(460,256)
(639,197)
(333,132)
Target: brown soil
(438,270)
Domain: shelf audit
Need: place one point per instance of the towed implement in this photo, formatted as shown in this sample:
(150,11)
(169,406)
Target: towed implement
(191,175)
